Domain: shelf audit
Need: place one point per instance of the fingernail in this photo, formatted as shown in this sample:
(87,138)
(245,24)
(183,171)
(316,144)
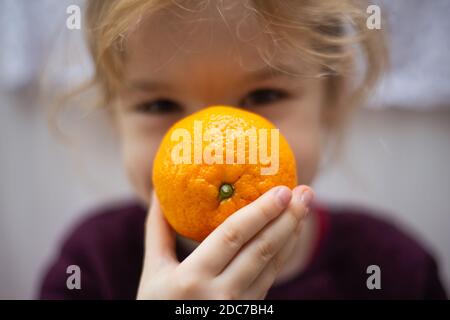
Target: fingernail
(306,196)
(303,195)
(284,195)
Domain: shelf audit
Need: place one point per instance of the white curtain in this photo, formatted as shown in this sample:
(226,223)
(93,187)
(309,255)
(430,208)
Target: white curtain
(419,40)
(30,33)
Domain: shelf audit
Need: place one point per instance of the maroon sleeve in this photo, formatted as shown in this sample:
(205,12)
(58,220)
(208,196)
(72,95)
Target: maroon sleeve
(409,269)
(433,287)
(351,239)
(107,247)
(75,251)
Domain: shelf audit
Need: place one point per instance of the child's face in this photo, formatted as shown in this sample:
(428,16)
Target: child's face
(178,62)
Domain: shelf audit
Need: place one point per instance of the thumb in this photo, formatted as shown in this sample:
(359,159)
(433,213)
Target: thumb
(159,235)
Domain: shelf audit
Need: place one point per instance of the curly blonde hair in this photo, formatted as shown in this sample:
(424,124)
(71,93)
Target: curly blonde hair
(335,29)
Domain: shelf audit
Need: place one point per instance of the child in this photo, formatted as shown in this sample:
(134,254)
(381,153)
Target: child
(293,62)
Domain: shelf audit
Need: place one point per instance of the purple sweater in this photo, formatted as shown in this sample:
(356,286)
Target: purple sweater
(108,248)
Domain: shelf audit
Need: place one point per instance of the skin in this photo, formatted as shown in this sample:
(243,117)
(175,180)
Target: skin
(177,62)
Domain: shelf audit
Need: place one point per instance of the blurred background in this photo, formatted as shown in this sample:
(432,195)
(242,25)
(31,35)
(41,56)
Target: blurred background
(396,155)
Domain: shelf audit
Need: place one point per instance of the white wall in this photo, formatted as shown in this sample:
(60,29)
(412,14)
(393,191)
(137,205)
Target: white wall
(45,186)
(398,161)
(395,160)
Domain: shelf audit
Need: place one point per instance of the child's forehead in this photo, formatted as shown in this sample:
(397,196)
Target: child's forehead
(174,30)
(216,39)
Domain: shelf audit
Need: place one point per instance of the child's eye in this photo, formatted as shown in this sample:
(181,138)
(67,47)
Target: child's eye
(159,106)
(262,97)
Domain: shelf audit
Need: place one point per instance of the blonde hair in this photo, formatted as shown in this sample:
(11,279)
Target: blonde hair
(336,31)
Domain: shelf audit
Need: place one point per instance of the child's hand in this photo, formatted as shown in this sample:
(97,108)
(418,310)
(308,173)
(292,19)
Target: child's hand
(240,259)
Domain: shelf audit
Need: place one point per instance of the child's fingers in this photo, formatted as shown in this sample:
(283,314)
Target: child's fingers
(258,289)
(160,237)
(262,249)
(216,251)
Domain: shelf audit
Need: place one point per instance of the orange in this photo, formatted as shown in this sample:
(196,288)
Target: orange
(197,194)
